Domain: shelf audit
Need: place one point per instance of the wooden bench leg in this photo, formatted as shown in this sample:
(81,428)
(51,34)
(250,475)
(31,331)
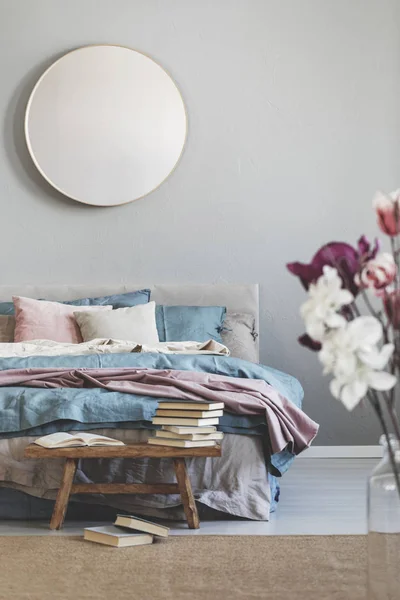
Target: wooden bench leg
(185,489)
(60,507)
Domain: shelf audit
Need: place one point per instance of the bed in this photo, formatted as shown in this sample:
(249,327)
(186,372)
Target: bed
(242,483)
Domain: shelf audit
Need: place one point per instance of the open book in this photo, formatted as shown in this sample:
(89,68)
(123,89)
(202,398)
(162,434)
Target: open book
(66,440)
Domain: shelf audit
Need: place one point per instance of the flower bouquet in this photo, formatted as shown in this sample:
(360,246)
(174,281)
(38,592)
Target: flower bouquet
(361,351)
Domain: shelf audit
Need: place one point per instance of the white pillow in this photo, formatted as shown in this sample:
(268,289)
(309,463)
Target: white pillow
(134,324)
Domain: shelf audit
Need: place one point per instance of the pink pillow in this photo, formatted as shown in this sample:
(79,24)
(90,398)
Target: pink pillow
(42,320)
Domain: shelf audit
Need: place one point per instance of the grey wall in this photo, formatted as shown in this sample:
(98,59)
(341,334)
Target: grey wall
(294,116)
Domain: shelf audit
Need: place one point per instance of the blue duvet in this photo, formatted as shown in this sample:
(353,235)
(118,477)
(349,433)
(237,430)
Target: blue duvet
(32,411)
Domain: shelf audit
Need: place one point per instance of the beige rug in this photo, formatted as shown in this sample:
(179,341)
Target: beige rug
(195,567)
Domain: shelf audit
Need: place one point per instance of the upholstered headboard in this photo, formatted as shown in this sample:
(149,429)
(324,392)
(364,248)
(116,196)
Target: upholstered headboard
(237,298)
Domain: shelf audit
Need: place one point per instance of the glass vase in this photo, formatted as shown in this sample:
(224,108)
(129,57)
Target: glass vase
(384,527)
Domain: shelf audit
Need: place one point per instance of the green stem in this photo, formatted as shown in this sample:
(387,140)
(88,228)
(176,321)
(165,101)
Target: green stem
(369,305)
(395,334)
(393,417)
(394,245)
(355,310)
(377,315)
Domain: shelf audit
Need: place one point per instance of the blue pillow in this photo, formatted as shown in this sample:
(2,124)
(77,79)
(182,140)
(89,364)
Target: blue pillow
(194,323)
(6,308)
(117,301)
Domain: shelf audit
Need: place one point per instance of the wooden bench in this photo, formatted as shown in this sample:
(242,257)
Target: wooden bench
(72,456)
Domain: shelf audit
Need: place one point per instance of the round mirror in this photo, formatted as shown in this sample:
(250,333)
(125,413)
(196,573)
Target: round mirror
(105,125)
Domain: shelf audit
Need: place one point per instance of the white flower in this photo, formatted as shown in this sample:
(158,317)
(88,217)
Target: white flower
(353,356)
(325,298)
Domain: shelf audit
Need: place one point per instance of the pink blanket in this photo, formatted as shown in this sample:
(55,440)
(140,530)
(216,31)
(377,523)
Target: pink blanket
(289,427)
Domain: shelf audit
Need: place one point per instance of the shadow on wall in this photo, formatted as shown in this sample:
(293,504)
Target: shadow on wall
(15,142)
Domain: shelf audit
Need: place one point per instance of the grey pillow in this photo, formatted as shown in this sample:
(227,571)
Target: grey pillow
(240,336)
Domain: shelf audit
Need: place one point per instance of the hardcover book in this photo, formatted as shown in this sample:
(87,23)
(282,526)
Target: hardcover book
(132,522)
(184,430)
(187,421)
(191,405)
(198,414)
(114,536)
(170,435)
(181,443)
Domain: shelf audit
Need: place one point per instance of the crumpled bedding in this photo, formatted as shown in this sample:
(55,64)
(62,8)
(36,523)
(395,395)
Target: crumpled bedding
(236,483)
(25,410)
(108,346)
(288,426)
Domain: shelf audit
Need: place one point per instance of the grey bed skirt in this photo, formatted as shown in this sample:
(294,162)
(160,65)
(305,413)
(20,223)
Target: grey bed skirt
(18,506)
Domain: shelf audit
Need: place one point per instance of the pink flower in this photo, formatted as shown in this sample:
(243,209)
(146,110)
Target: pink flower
(387,207)
(377,273)
(392,308)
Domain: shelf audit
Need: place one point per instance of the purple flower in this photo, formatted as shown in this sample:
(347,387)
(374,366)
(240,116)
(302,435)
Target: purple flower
(339,255)
(307,341)
(347,260)
(366,251)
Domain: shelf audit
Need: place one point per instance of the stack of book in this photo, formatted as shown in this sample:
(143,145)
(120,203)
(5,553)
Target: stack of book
(187,424)
(126,531)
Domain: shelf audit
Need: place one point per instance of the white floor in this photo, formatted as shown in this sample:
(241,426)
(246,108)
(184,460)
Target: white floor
(319,496)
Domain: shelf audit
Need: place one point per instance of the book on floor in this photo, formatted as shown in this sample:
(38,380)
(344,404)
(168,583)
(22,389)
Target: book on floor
(193,414)
(170,435)
(66,440)
(181,443)
(191,405)
(132,522)
(187,421)
(114,536)
(182,430)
